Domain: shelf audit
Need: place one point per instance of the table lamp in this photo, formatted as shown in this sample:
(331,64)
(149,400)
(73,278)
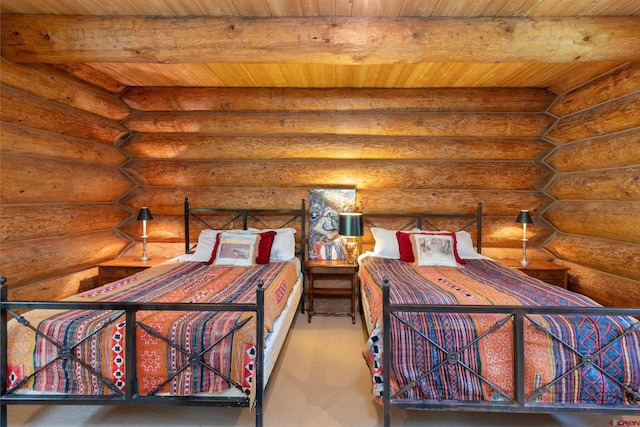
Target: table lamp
(351,227)
(524,218)
(144,215)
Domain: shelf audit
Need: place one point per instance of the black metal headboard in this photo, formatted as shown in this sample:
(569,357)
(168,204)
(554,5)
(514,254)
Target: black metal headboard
(420,220)
(258,216)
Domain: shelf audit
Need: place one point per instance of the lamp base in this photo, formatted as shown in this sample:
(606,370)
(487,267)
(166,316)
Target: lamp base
(144,258)
(524,262)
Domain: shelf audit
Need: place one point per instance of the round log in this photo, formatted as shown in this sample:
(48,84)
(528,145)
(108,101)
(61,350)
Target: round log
(257,147)
(30,261)
(337,99)
(361,174)
(488,125)
(33,180)
(26,110)
(618,258)
(604,219)
(54,85)
(622,81)
(605,184)
(39,221)
(609,151)
(33,142)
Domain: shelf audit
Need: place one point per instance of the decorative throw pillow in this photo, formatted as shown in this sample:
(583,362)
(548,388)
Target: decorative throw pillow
(284,243)
(206,242)
(265,247)
(237,249)
(429,248)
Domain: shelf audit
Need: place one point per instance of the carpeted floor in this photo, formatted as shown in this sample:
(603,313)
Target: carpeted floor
(321,379)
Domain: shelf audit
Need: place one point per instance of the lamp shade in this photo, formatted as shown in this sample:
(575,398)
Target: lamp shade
(524,218)
(144,214)
(351,224)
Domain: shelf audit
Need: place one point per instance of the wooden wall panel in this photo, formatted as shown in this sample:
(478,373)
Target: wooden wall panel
(605,288)
(597,187)
(609,151)
(29,261)
(34,180)
(614,116)
(488,125)
(16,139)
(60,181)
(33,112)
(618,258)
(54,85)
(601,218)
(280,147)
(25,222)
(602,184)
(304,100)
(56,288)
(623,81)
(362,174)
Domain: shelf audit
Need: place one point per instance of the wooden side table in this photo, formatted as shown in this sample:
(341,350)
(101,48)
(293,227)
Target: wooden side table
(328,269)
(119,268)
(546,271)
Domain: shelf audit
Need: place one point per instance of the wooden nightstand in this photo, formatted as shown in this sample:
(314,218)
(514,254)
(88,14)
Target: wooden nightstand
(119,268)
(546,271)
(332,269)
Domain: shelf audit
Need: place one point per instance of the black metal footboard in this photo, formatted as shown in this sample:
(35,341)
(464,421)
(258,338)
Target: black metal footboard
(517,401)
(130,395)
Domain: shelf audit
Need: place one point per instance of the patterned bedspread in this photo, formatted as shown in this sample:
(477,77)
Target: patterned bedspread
(484,282)
(156,360)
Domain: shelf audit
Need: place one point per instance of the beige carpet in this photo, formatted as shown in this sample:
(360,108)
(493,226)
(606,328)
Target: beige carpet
(321,379)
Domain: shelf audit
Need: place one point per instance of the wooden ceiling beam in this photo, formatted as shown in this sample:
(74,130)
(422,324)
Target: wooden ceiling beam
(73,39)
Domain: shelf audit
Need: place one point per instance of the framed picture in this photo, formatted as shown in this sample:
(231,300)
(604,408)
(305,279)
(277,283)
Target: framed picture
(324,207)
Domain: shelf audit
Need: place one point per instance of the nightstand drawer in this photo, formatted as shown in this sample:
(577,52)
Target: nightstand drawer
(113,273)
(119,268)
(553,277)
(548,272)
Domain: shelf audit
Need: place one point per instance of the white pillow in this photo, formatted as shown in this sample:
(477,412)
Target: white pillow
(386,243)
(465,246)
(206,242)
(284,244)
(237,249)
(433,249)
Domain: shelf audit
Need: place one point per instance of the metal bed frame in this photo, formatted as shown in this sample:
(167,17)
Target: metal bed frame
(129,309)
(519,402)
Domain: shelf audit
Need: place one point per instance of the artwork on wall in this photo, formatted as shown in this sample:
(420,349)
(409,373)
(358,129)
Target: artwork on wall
(324,207)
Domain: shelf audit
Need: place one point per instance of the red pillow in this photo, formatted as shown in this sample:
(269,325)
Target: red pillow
(406,248)
(214,252)
(264,248)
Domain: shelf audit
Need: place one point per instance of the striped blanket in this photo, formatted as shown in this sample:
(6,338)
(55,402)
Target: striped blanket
(192,282)
(484,282)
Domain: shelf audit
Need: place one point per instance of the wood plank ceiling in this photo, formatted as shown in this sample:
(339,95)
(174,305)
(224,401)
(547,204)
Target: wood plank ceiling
(460,67)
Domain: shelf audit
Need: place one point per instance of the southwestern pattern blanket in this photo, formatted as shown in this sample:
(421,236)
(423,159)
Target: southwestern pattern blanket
(165,340)
(419,368)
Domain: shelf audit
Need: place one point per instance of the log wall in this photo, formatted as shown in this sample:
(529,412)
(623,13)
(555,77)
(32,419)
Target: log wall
(597,187)
(77,167)
(429,150)
(61,180)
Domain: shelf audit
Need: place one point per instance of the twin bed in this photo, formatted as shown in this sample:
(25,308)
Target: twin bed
(204,328)
(449,328)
